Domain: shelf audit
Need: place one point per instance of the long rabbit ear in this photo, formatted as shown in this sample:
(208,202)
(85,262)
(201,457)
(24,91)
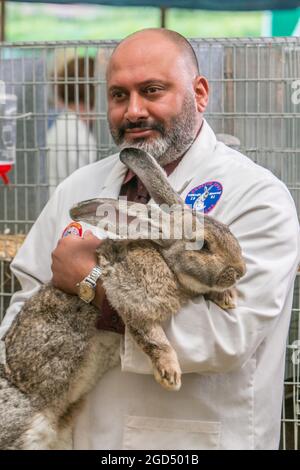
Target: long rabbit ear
(152,176)
(121,218)
(86,211)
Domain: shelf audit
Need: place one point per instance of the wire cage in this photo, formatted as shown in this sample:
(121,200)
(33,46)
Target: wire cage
(58,123)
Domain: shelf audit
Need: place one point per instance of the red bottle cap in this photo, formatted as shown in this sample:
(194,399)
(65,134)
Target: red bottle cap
(3,170)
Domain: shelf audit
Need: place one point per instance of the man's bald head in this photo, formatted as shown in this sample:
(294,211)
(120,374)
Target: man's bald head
(182,44)
(156,96)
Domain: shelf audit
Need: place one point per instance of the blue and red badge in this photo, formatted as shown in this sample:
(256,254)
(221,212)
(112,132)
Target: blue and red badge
(74,228)
(203,198)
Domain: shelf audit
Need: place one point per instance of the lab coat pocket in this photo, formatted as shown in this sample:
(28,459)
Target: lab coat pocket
(170,434)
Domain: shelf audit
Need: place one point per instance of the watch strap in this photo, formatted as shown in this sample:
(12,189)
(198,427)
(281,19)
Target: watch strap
(93,276)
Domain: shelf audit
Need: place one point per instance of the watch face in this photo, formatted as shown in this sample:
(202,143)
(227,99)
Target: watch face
(86,292)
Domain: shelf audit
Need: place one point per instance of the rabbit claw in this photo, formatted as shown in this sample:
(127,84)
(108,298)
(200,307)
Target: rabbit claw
(168,374)
(226,300)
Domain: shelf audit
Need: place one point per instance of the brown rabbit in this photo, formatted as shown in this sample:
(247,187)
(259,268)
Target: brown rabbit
(54,352)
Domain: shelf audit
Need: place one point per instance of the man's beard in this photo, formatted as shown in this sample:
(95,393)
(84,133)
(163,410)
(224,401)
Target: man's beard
(172,143)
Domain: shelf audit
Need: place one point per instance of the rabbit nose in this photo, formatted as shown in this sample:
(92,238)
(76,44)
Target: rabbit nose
(227,277)
(238,273)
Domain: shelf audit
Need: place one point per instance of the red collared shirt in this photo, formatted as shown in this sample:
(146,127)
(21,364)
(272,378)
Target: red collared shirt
(133,188)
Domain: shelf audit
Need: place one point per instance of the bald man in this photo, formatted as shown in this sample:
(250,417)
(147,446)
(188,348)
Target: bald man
(232,361)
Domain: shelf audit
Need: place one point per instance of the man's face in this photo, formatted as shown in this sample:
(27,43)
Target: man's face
(151,99)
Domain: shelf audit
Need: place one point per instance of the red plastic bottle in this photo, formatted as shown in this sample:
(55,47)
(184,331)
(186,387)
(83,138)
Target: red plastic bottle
(8,111)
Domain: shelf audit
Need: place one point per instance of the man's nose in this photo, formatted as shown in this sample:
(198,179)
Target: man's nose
(136,108)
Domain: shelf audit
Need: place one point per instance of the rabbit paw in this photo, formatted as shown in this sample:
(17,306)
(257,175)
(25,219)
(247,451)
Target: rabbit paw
(167,373)
(225,300)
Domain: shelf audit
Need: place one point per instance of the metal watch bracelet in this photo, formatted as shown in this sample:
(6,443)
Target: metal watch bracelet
(93,276)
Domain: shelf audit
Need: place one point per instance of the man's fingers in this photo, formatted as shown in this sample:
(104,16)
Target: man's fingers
(89,236)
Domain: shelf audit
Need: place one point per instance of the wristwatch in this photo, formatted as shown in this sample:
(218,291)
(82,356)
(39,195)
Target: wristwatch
(87,287)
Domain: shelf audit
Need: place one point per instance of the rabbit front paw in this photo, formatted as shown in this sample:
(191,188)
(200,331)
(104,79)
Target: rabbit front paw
(167,373)
(226,300)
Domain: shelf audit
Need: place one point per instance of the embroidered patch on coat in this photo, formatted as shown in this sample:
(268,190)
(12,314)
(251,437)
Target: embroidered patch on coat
(203,198)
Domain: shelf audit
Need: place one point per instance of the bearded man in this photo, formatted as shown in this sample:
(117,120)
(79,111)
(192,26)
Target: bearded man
(232,361)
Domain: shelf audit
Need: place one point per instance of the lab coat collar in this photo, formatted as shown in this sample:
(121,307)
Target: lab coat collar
(198,153)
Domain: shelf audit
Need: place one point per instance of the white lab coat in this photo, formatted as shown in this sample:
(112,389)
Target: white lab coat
(232,361)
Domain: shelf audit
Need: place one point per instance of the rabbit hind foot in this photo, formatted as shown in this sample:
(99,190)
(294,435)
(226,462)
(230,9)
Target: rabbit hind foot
(167,372)
(153,341)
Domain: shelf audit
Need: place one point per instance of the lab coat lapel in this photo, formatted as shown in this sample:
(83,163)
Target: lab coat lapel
(114,180)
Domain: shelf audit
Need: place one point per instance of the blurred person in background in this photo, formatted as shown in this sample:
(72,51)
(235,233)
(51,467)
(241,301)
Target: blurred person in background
(70,140)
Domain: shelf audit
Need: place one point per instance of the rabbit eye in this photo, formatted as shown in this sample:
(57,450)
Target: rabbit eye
(205,246)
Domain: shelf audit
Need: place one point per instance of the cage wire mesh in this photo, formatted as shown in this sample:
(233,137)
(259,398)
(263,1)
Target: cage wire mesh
(60,124)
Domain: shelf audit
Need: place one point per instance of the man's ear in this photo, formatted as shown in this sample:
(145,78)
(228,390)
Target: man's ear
(201,89)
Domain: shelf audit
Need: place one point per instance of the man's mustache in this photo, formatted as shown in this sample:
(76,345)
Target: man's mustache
(156,126)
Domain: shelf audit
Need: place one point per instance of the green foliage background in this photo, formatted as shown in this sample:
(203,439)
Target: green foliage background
(28,22)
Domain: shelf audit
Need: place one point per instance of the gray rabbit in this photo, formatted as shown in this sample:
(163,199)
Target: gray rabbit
(55,354)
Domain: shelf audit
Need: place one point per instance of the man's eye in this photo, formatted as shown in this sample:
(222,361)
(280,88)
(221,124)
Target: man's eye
(118,95)
(152,90)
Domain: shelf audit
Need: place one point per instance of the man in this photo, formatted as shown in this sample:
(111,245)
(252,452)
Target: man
(232,361)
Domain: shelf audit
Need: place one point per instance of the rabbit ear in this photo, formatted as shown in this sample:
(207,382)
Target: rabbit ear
(85,211)
(152,176)
(122,218)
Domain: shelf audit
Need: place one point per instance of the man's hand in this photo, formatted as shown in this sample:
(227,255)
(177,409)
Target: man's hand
(73,259)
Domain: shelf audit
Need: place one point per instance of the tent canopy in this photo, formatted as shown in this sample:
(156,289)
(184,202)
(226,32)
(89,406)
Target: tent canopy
(232,5)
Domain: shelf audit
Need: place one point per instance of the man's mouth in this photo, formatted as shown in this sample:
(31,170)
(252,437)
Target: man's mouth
(138,132)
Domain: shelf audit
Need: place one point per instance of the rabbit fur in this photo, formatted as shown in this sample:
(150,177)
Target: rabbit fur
(54,352)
